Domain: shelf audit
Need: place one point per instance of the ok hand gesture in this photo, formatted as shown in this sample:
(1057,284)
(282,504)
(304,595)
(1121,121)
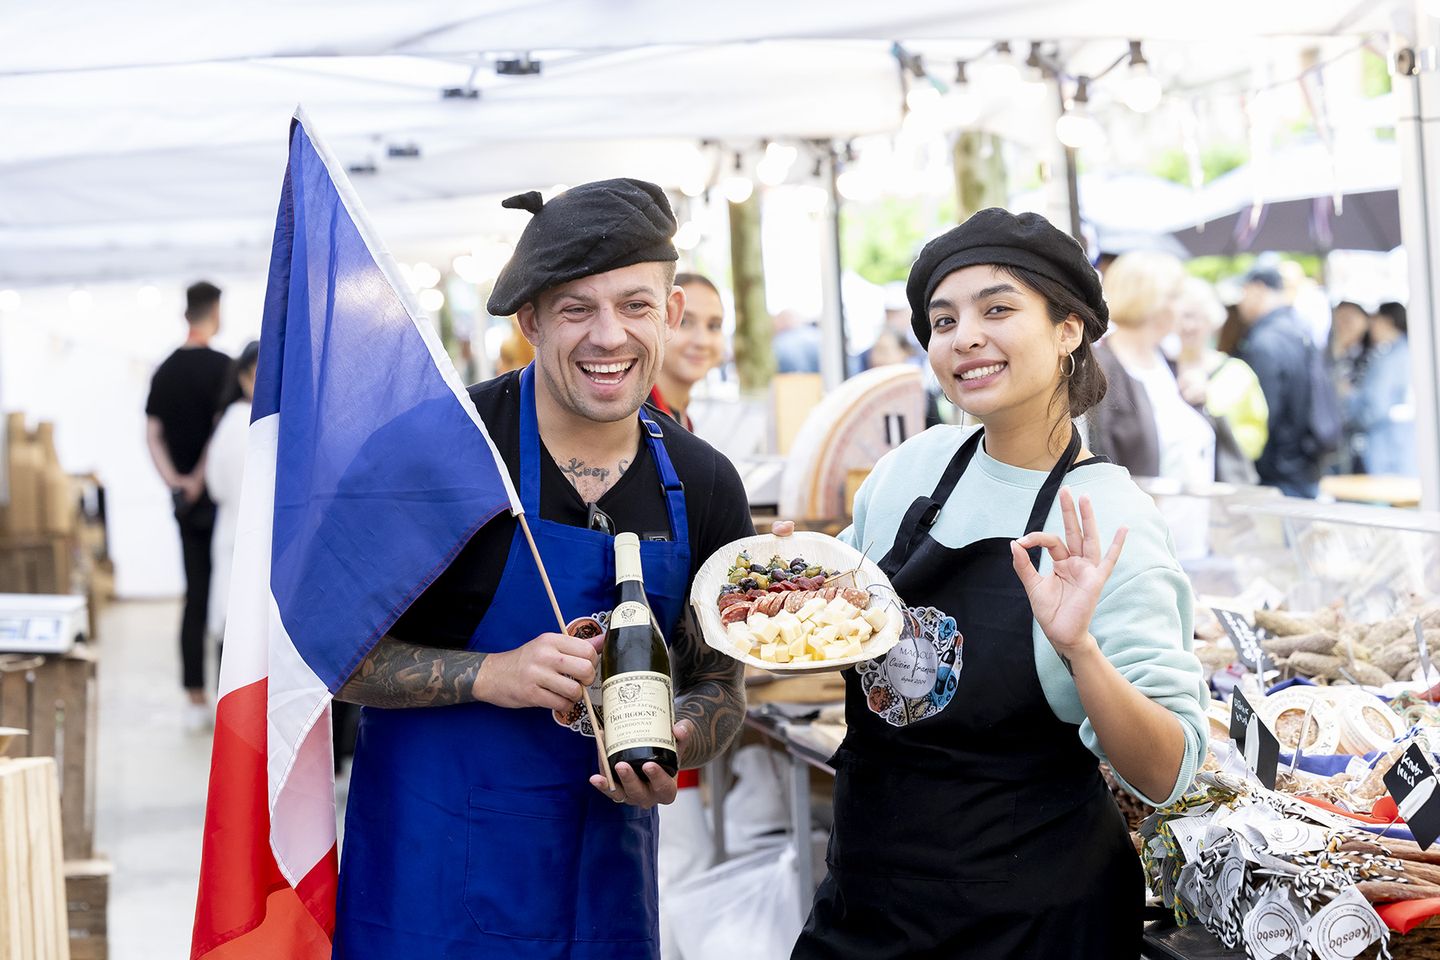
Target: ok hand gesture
(1064,600)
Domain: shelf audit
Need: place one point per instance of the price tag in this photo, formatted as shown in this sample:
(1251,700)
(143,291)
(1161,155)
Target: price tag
(1274,927)
(1412,783)
(1254,740)
(1344,928)
(1246,641)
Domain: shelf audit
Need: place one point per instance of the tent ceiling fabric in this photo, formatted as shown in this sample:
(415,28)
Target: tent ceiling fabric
(148,138)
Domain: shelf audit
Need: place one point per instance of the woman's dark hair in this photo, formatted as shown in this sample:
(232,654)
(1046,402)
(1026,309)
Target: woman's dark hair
(1086,386)
(1364,342)
(245,363)
(1232,331)
(685,279)
(1395,313)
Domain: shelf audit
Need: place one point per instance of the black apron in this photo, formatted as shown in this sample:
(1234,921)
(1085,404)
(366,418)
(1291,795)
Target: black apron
(969,820)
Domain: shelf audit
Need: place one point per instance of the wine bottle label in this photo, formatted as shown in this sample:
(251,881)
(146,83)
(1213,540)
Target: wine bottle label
(639,711)
(630,614)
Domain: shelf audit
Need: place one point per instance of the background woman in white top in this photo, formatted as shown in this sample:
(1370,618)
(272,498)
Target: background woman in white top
(224,471)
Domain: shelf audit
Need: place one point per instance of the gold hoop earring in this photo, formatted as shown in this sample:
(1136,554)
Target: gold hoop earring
(1063,373)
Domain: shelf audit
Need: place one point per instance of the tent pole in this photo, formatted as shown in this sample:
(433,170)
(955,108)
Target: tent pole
(832,312)
(1417,87)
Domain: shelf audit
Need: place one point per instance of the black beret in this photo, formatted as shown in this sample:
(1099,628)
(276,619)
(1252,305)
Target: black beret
(588,229)
(999,237)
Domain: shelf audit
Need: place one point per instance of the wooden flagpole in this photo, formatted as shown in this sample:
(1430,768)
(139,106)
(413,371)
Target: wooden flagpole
(560,619)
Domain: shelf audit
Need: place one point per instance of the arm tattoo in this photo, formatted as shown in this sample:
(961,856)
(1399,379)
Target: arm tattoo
(398,674)
(710,693)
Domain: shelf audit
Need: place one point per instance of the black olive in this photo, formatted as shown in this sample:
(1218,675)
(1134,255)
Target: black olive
(798,565)
(729,588)
(758,568)
(749,583)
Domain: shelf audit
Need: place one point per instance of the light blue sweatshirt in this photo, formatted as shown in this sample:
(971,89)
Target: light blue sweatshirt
(1144,620)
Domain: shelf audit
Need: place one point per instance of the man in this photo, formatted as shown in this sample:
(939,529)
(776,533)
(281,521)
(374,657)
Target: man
(471,829)
(185,396)
(1278,348)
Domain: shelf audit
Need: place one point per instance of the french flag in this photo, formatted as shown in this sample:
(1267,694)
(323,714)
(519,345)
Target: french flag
(368,469)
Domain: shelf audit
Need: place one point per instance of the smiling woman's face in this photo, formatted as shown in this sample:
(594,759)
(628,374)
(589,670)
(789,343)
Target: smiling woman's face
(699,345)
(993,346)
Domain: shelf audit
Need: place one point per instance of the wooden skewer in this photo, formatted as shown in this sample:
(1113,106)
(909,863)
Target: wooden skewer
(584,691)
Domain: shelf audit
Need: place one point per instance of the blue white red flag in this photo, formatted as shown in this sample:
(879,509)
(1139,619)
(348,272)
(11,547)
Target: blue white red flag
(367,470)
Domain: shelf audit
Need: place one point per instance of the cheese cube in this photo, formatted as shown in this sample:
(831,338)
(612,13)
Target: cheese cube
(852,649)
(827,635)
(765,630)
(803,658)
(789,633)
(782,655)
(836,651)
(741,636)
(877,616)
(768,651)
(810,608)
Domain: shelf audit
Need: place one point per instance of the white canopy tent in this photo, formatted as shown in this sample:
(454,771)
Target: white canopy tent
(146,138)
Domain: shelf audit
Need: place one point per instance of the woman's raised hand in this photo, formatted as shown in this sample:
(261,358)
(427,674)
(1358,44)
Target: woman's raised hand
(1064,600)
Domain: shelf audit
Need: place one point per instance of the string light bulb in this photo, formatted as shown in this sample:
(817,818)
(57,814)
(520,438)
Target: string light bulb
(737,187)
(1076,128)
(688,236)
(1141,89)
(774,167)
(962,106)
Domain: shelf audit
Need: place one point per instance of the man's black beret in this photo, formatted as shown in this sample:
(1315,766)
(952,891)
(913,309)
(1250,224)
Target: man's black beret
(999,237)
(588,229)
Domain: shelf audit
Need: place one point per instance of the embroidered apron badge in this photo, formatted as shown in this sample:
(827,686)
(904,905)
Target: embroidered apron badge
(918,677)
(576,718)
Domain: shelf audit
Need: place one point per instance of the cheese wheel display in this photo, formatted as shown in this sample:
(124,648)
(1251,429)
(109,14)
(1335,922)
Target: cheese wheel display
(1284,712)
(856,424)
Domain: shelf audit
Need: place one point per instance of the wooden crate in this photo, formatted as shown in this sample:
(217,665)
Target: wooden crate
(54,697)
(32,889)
(36,564)
(87,902)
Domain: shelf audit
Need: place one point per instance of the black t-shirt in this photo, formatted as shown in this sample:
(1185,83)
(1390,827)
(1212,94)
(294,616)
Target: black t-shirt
(185,398)
(716,508)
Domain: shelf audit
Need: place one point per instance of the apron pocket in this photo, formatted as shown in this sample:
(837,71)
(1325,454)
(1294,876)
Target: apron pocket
(894,822)
(619,891)
(520,864)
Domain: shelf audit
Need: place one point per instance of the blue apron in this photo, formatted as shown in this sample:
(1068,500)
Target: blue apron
(473,830)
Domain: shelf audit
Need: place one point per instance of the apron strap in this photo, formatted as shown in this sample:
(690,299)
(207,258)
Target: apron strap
(923,512)
(670,484)
(529,444)
(1045,499)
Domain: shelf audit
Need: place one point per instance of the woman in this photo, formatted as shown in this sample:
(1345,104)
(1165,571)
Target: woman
(1349,354)
(971,819)
(1383,405)
(693,351)
(1223,387)
(1141,289)
(224,470)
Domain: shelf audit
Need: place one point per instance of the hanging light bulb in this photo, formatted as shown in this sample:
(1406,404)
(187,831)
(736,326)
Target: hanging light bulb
(688,236)
(424,275)
(1141,89)
(924,95)
(148,296)
(774,167)
(1002,69)
(737,187)
(962,106)
(431,300)
(467,268)
(1076,128)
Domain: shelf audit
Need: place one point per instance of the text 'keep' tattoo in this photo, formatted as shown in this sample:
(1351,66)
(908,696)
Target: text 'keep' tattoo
(398,674)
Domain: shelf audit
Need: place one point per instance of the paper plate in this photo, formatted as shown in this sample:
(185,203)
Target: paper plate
(817,549)
(1284,712)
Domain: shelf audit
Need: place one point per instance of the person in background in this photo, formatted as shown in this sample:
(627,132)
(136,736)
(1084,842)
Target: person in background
(1348,353)
(695,349)
(1277,347)
(180,414)
(515,351)
(1383,405)
(1223,386)
(224,472)
(1141,288)
(796,344)
(892,346)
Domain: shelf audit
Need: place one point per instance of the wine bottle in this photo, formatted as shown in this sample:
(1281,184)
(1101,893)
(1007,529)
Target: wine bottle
(636,693)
